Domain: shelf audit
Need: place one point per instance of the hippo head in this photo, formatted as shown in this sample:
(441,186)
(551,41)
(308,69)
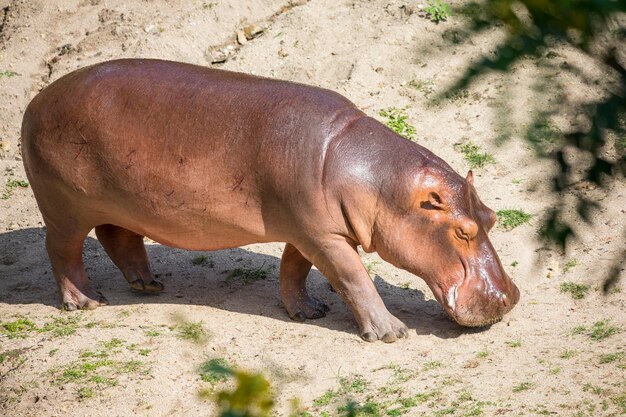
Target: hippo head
(440,234)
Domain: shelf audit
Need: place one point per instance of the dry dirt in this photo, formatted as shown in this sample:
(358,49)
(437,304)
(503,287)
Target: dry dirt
(130,358)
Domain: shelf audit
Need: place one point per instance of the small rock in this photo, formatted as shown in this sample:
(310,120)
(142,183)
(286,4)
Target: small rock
(241,37)
(252,31)
(282,53)
(65,49)
(218,56)
(151,29)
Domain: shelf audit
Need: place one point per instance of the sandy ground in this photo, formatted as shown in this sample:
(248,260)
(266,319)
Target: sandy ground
(130,357)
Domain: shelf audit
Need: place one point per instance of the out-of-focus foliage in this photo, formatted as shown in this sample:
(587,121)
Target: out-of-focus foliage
(251,396)
(595,29)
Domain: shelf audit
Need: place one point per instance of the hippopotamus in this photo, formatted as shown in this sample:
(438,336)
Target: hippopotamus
(205,159)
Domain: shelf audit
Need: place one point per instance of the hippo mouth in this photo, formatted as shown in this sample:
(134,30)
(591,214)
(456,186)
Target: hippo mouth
(451,301)
(477,323)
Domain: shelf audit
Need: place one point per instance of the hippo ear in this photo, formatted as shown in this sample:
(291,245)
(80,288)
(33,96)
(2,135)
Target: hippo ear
(435,201)
(470,177)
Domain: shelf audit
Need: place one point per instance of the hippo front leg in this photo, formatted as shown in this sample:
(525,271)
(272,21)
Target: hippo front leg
(339,261)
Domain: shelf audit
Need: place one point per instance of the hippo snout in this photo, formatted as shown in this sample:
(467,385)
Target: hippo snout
(475,304)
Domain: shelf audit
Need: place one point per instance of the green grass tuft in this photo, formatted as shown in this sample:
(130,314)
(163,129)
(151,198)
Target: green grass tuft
(10,186)
(192,331)
(567,354)
(512,218)
(523,386)
(611,357)
(514,343)
(570,264)
(18,328)
(599,331)
(397,121)
(473,155)
(247,276)
(577,291)
(214,370)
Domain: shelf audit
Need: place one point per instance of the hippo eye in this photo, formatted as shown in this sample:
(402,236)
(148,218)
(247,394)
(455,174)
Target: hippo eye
(467,230)
(462,235)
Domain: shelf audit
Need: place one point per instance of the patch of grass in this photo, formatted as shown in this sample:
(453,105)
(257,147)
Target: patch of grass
(437,10)
(544,132)
(18,328)
(370,266)
(473,155)
(85,392)
(194,332)
(212,371)
(570,264)
(355,385)
(91,374)
(577,291)
(202,260)
(512,218)
(445,411)
(567,354)
(429,365)
(11,355)
(10,186)
(555,370)
(8,73)
(620,401)
(397,121)
(425,86)
(482,354)
(599,331)
(62,326)
(610,357)
(367,409)
(92,354)
(401,374)
(247,276)
(326,398)
(113,343)
(145,352)
(514,264)
(152,333)
(457,95)
(523,386)
(514,343)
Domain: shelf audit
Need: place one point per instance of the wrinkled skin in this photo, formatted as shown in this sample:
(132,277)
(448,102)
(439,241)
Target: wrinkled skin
(204,159)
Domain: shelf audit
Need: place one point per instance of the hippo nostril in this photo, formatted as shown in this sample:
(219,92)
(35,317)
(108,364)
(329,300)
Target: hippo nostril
(505,300)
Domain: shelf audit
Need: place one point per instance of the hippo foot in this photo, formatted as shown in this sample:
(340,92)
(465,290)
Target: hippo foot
(153,286)
(387,328)
(83,302)
(308,308)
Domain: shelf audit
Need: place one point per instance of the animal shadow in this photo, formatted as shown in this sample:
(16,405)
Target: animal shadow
(239,280)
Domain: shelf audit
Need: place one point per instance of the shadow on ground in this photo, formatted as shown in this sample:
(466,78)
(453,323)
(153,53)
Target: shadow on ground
(202,278)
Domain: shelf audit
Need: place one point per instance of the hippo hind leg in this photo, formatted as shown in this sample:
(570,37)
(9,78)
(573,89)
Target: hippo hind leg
(65,250)
(128,253)
(294,269)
